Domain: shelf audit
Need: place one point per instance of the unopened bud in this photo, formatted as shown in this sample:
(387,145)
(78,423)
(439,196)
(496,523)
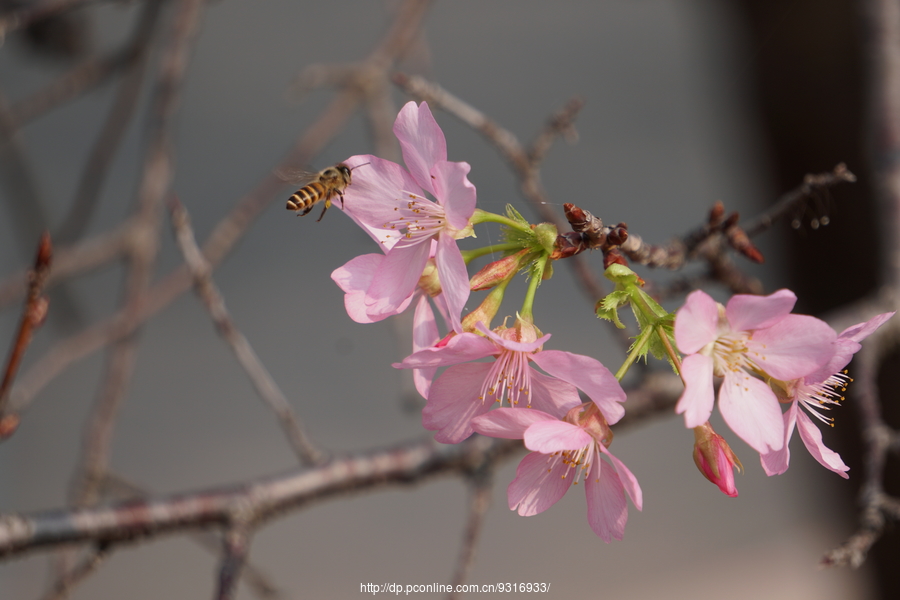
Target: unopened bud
(497,271)
(429,281)
(715,459)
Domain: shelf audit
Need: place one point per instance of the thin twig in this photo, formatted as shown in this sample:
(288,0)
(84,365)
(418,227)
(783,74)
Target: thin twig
(119,116)
(212,299)
(64,584)
(787,204)
(33,315)
(480,488)
(157,176)
(235,547)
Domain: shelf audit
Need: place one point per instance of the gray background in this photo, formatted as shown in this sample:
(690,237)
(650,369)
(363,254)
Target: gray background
(664,134)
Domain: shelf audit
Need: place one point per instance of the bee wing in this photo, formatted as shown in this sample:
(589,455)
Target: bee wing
(296,176)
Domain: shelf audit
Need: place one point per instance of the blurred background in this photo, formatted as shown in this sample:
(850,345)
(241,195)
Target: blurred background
(687,102)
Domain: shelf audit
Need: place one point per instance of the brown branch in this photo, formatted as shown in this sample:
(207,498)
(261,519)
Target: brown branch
(117,487)
(257,502)
(212,299)
(33,315)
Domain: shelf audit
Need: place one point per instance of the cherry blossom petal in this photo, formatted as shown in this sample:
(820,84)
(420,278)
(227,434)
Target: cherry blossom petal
(627,478)
(847,344)
(421,141)
(697,400)
(861,331)
(751,410)
(455,192)
(812,439)
(540,482)
(509,423)
(607,508)
(372,197)
(425,335)
(548,437)
(795,346)
(354,278)
(396,278)
(696,322)
(552,395)
(590,376)
(460,348)
(453,402)
(454,278)
(745,312)
(777,461)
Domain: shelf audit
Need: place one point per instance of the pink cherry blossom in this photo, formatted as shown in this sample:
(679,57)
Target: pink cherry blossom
(816,393)
(467,389)
(389,203)
(564,450)
(752,338)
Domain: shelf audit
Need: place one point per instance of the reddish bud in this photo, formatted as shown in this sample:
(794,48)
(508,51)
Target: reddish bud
(715,459)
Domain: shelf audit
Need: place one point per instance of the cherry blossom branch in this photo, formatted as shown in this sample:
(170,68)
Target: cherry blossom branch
(525,162)
(257,502)
(33,315)
(253,503)
(212,299)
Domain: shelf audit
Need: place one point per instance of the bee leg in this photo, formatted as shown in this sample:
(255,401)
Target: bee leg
(305,212)
(327,204)
(341,194)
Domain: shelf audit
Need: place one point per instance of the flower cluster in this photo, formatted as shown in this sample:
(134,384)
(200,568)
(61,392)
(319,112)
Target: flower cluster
(502,382)
(766,356)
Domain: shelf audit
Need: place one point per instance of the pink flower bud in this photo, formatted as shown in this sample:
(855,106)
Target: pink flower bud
(498,271)
(715,459)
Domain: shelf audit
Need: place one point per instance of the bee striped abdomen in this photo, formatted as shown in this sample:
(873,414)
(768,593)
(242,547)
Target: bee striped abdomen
(304,198)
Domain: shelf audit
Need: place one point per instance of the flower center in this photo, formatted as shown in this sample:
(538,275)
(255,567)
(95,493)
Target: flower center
(418,220)
(509,379)
(729,353)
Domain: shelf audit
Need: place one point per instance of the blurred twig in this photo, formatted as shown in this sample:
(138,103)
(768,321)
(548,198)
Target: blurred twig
(481,485)
(33,315)
(262,380)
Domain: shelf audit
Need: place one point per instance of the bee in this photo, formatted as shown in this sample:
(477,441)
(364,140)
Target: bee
(317,187)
